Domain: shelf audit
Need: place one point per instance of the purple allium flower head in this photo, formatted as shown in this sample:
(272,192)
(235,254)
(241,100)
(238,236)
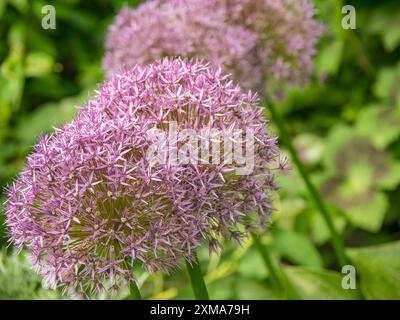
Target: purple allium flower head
(287,35)
(88,204)
(160,28)
(255,40)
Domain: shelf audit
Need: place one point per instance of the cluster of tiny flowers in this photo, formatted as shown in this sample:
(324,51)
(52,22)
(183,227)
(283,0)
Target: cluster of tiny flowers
(88,205)
(183,28)
(257,41)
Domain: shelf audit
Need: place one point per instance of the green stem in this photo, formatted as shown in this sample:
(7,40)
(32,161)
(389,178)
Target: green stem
(337,242)
(135,292)
(273,272)
(198,285)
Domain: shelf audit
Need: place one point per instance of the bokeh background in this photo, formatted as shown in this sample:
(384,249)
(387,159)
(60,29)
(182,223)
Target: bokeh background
(345,125)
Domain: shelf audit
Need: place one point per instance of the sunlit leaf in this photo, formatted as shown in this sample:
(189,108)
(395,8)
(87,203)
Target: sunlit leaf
(318,284)
(369,215)
(47,117)
(255,290)
(319,230)
(246,266)
(296,248)
(384,21)
(379,270)
(386,85)
(328,60)
(309,147)
(38,64)
(380,124)
(19,281)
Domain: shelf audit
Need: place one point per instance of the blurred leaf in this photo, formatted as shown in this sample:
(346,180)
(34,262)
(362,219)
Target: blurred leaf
(386,85)
(52,86)
(391,38)
(224,288)
(19,281)
(38,42)
(380,124)
(246,265)
(21,5)
(333,142)
(369,215)
(77,18)
(3,232)
(290,208)
(356,172)
(48,116)
(11,169)
(309,148)
(359,177)
(318,284)
(2,7)
(329,58)
(385,22)
(254,290)
(12,73)
(319,230)
(38,64)
(391,179)
(379,268)
(296,248)
(291,182)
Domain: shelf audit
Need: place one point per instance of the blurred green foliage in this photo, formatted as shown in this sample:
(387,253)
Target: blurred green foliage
(345,125)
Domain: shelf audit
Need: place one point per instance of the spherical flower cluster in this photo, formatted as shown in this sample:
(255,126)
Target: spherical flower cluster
(161,28)
(257,41)
(89,204)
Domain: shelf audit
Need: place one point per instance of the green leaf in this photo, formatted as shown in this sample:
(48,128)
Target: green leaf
(334,141)
(254,290)
(21,5)
(379,270)
(356,171)
(319,230)
(328,61)
(2,7)
(309,148)
(80,19)
(386,85)
(38,64)
(47,117)
(223,288)
(358,180)
(12,73)
(369,215)
(19,281)
(391,179)
(391,38)
(246,265)
(380,124)
(288,210)
(385,22)
(296,248)
(318,284)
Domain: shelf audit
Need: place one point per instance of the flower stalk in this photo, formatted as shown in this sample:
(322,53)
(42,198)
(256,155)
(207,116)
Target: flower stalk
(134,291)
(269,264)
(196,277)
(337,242)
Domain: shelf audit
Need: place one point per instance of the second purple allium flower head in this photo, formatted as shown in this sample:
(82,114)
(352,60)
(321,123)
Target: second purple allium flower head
(260,42)
(89,203)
